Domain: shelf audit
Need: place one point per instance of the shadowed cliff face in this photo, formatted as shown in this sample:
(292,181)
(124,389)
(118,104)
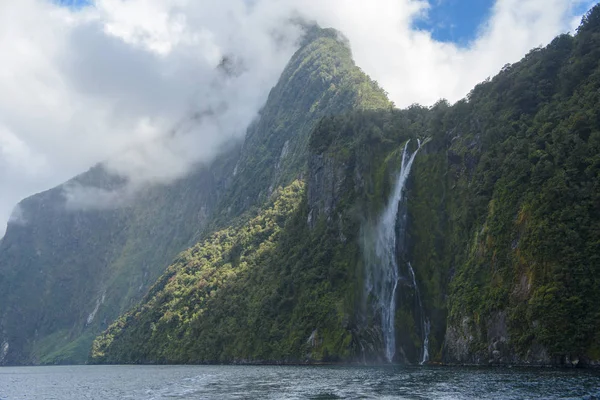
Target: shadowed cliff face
(320,80)
(514,232)
(66,273)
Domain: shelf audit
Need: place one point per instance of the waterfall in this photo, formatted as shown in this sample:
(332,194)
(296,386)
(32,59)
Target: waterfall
(382,255)
(426,328)
(425,325)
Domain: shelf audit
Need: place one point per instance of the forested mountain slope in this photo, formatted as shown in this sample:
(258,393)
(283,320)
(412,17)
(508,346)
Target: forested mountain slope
(497,237)
(66,274)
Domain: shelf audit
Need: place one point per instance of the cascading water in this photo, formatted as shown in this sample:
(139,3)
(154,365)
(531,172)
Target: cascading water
(382,260)
(426,329)
(425,325)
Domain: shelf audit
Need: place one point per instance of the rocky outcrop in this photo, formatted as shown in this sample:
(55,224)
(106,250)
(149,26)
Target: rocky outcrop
(325,183)
(466,343)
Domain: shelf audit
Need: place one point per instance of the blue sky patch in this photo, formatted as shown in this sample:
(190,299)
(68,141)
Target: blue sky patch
(459,21)
(583,7)
(75,4)
(456,21)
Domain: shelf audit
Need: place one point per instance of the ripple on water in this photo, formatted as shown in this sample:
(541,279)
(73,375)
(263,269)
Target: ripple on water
(290,383)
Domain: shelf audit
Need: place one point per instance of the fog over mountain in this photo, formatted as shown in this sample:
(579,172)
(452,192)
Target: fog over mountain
(152,87)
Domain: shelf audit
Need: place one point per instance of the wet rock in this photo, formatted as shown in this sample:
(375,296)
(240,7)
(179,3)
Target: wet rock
(3,351)
(324,187)
(459,343)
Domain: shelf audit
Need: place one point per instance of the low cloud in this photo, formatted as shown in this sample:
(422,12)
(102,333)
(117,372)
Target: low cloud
(124,81)
(79,197)
(17,217)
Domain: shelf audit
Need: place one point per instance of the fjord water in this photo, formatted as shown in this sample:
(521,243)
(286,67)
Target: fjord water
(294,382)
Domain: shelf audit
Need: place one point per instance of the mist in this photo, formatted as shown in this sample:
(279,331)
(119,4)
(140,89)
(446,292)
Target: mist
(17,216)
(152,88)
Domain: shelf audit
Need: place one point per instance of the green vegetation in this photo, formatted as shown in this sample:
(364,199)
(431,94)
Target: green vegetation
(502,232)
(518,235)
(202,287)
(283,291)
(55,269)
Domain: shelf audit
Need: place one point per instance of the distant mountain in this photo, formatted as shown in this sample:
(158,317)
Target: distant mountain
(65,274)
(495,241)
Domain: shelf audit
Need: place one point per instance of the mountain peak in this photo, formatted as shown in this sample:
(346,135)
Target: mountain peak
(313,32)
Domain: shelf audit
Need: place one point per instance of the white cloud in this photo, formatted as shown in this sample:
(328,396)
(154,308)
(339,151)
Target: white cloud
(108,82)
(17,217)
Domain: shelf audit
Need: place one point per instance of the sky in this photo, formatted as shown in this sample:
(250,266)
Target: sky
(455,21)
(136,83)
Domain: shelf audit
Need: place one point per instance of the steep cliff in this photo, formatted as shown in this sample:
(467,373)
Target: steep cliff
(320,80)
(210,307)
(526,289)
(496,243)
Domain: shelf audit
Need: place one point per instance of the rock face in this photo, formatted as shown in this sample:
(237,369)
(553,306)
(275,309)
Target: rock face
(326,180)
(459,342)
(463,345)
(320,80)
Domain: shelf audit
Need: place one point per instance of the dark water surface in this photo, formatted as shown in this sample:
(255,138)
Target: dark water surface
(314,382)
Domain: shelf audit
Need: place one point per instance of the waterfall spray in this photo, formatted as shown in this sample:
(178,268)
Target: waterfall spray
(384,273)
